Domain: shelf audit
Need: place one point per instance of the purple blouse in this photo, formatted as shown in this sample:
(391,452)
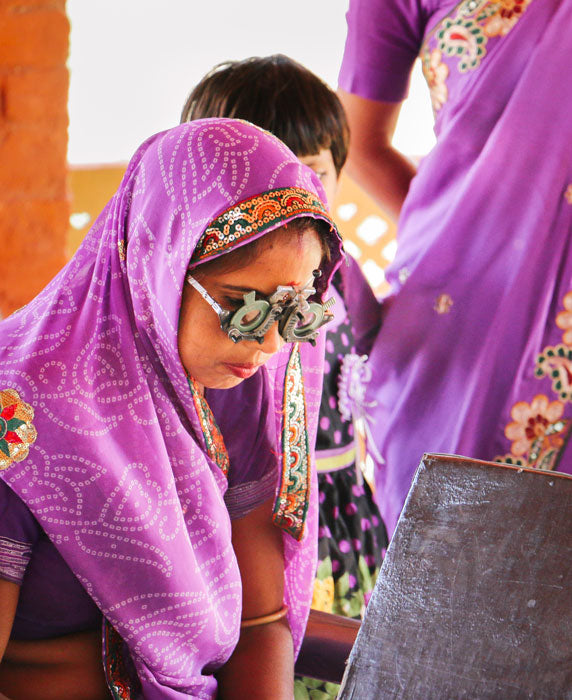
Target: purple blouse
(49,605)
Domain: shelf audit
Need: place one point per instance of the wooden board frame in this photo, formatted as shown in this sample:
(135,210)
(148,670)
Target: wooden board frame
(474,598)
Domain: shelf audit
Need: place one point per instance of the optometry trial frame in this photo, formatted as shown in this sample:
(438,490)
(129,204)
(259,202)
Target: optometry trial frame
(298,319)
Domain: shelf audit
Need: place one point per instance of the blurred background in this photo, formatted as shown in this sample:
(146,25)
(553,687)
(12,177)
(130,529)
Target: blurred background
(83,83)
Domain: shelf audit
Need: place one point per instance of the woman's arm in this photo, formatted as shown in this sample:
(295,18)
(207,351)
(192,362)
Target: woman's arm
(373,163)
(262,665)
(9,594)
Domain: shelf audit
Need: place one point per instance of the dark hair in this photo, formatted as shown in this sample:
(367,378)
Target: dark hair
(279,95)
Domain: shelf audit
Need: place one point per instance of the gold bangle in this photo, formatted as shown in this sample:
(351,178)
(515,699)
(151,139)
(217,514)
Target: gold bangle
(264,619)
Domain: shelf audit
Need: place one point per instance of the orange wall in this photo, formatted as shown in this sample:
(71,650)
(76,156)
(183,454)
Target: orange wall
(34,207)
(91,188)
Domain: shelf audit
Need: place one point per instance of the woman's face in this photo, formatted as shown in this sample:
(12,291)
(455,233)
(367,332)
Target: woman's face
(207,353)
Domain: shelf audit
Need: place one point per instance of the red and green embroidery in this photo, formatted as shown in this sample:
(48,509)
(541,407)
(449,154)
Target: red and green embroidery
(118,680)
(293,498)
(17,432)
(463,35)
(539,431)
(556,363)
(247,219)
(213,437)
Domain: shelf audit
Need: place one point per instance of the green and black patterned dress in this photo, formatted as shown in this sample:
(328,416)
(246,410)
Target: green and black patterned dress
(352,536)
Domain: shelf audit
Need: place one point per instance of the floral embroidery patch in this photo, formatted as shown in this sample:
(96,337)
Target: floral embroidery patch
(464,38)
(17,432)
(564,318)
(537,431)
(436,73)
(556,363)
(464,35)
(293,498)
(255,215)
(211,432)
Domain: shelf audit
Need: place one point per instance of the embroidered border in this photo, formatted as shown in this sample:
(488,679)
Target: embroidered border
(17,432)
(293,498)
(211,432)
(116,674)
(255,215)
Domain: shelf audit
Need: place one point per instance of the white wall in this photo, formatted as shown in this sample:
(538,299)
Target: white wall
(133,62)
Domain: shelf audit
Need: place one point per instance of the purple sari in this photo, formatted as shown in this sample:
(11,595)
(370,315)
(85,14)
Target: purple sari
(103,438)
(475,353)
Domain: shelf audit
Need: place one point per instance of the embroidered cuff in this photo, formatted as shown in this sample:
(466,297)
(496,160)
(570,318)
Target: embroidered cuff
(14,558)
(242,499)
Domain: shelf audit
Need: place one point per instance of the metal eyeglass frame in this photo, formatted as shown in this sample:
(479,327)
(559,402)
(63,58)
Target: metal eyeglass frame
(288,306)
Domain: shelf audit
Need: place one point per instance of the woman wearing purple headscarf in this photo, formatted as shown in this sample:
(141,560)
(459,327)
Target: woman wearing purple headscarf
(206,269)
(475,353)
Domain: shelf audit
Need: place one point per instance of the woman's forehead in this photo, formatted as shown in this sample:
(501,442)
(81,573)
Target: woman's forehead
(287,260)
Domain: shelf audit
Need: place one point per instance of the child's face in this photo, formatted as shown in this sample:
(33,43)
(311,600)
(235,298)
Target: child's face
(322,164)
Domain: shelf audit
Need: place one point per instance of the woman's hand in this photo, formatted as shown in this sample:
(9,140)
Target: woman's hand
(262,665)
(373,163)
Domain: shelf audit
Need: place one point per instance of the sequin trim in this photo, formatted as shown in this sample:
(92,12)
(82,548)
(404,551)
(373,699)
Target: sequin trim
(293,499)
(211,432)
(254,216)
(14,559)
(17,432)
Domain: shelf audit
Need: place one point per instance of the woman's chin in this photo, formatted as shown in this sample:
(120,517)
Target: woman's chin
(228,375)
(224,382)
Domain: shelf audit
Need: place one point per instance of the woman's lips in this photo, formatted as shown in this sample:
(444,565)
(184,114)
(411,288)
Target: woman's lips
(243,371)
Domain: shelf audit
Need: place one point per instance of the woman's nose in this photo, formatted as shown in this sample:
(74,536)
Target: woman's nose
(273,341)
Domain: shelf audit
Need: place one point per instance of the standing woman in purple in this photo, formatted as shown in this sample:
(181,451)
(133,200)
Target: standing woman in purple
(122,571)
(475,353)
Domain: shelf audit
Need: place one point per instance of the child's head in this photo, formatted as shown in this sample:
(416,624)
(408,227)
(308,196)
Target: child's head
(284,98)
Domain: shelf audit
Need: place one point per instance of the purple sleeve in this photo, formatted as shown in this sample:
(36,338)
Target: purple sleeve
(382,43)
(19,531)
(242,499)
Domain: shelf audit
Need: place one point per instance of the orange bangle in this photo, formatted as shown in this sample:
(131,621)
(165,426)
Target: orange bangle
(264,619)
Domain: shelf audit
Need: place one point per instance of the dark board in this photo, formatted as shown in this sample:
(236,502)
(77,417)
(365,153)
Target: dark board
(474,599)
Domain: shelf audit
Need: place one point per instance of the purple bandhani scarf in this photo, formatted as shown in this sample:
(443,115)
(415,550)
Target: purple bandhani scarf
(101,436)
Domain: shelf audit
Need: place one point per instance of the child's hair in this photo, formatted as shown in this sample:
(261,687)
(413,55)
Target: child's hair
(279,95)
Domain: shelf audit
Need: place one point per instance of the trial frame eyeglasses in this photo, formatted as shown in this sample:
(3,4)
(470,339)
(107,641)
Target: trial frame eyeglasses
(298,319)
